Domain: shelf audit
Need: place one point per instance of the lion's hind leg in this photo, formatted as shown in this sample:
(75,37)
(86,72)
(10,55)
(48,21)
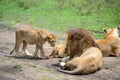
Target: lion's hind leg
(65,59)
(17,46)
(25,49)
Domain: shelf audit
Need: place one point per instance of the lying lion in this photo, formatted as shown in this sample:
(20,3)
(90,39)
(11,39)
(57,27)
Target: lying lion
(58,51)
(33,36)
(110,45)
(90,61)
(84,54)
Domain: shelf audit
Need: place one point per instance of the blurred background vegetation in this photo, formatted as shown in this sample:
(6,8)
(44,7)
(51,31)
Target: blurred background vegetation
(60,15)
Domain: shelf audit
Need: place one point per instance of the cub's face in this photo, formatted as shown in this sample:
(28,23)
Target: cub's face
(107,31)
(111,30)
(51,39)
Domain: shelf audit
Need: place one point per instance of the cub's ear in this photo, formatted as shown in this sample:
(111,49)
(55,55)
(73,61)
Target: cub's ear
(48,37)
(105,30)
(55,36)
(118,27)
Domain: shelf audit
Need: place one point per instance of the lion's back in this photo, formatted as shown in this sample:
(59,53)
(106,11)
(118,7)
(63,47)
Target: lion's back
(30,35)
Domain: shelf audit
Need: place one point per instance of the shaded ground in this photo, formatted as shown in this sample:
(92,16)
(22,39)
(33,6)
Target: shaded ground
(26,68)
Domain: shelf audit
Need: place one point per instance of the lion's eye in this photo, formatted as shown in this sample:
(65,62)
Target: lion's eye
(53,41)
(48,38)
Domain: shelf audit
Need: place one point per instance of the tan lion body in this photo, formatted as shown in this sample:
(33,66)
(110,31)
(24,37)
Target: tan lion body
(90,61)
(33,36)
(110,45)
(58,51)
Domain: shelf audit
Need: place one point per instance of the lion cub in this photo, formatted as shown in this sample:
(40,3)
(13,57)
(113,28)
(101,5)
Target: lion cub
(33,36)
(90,61)
(58,51)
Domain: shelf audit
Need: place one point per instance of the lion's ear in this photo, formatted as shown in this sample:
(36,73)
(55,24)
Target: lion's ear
(56,36)
(105,30)
(47,37)
(118,27)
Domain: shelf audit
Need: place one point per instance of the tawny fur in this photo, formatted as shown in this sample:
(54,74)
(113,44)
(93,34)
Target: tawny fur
(58,51)
(33,36)
(110,45)
(90,61)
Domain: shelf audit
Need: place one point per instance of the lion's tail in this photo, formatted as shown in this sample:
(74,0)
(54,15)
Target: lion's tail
(73,72)
(12,51)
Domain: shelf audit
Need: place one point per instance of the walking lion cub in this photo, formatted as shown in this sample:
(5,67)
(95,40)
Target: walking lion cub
(33,36)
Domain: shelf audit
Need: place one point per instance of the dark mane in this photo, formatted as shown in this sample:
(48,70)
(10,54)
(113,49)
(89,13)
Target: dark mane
(79,40)
(80,32)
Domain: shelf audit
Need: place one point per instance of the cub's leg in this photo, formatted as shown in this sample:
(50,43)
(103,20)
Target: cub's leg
(36,51)
(42,51)
(117,52)
(25,50)
(18,42)
(17,46)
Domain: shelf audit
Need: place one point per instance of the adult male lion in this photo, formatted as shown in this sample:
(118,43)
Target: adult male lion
(110,45)
(58,51)
(78,41)
(90,61)
(33,36)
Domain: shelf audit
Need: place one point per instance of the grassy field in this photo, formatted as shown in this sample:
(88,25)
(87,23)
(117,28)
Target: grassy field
(60,15)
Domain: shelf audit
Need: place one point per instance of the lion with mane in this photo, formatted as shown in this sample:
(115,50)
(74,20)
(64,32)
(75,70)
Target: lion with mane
(78,41)
(84,54)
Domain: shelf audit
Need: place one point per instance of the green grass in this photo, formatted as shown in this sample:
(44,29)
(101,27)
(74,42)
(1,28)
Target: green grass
(33,65)
(108,67)
(46,78)
(60,15)
(18,66)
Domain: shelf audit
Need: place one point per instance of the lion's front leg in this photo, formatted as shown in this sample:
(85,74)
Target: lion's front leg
(65,59)
(117,52)
(42,51)
(36,51)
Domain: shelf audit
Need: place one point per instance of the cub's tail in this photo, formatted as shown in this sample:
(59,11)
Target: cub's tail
(12,51)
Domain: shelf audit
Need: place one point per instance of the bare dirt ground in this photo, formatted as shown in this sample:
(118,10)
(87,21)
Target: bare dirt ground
(27,68)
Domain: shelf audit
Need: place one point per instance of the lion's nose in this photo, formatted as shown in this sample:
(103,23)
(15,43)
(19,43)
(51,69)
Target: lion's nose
(53,41)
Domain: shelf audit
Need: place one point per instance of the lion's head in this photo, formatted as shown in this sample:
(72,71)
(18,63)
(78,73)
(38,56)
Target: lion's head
(58,51)
(51,38)
(78,40)
(111,32)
